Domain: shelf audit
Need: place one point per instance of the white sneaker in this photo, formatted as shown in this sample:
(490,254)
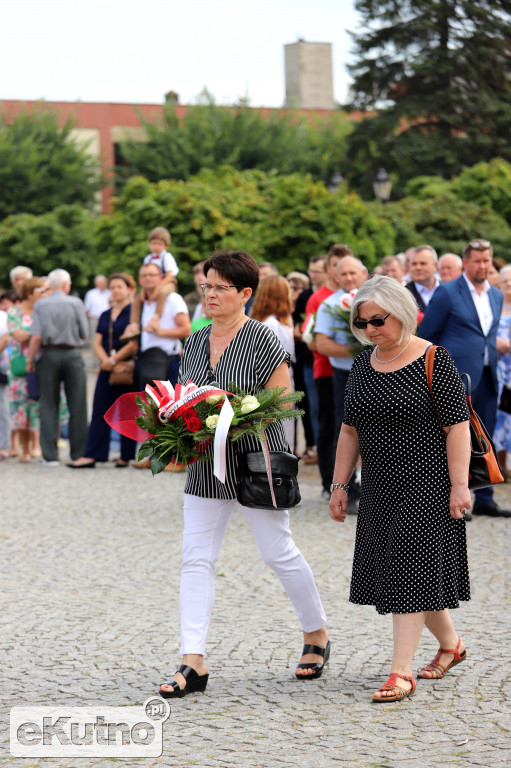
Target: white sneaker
(44,463)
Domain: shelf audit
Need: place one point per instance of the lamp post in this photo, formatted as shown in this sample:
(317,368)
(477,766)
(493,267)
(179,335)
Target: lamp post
(335,182)
(382,184)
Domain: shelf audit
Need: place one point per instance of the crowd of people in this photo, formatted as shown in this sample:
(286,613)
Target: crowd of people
(369,423)
(145,330)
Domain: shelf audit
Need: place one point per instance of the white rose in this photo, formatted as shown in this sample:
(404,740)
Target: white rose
(308,338)
(249,403)
(212,421)
(213,399)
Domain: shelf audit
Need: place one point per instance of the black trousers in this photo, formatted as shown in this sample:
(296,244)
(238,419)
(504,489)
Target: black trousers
(98,439)
(56,366)
(155,364)
(326,429)
(340,380)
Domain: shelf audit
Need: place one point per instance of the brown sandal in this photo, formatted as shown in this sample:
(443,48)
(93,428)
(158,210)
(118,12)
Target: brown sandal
(438,670)
(391,685)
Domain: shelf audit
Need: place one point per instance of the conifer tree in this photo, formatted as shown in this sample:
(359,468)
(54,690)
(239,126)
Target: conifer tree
(438,75)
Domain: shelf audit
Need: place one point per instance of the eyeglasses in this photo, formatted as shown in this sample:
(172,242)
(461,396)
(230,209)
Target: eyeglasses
(480,245)
(377,322)
(218,289)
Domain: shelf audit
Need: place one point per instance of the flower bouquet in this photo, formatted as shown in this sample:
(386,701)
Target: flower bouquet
(177,425)
(341,312)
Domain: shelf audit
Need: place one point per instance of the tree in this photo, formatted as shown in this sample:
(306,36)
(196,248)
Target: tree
(239,136)
(486,184)
(437,73)
(444,221)
(64,237)
(41,167)
(283,219)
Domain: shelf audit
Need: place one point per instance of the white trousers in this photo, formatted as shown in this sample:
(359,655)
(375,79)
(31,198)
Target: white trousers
(205,521)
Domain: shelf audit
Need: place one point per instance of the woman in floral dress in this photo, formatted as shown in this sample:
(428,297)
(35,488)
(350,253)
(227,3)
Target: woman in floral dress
(24,410)
(502,434)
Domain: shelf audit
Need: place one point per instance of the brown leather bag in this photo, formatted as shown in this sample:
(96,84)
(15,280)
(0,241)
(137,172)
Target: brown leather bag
(123,372)
(484,468)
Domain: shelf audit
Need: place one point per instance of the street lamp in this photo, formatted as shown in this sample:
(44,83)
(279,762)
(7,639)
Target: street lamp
(382,184)
(335,182)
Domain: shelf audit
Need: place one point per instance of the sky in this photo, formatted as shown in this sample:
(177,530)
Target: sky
(127,51)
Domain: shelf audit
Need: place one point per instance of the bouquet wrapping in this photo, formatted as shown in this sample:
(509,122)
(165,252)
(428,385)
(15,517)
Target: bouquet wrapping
(178,424)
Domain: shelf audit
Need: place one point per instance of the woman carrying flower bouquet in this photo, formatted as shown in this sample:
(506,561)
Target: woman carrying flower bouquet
(236,350)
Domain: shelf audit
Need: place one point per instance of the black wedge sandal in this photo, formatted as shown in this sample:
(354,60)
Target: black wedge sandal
(318,668)
(194,683)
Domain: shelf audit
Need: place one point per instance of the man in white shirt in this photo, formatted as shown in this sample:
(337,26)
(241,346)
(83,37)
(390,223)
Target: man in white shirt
(96,302)
(463,316)
(160,349)
(424,280)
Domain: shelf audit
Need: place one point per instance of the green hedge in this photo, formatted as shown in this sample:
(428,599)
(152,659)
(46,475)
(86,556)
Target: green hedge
(278,218)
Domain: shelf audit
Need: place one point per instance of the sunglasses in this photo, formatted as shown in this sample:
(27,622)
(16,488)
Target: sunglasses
(376,322)
(480,245)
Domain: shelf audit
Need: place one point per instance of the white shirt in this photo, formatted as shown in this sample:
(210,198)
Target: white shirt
(165,262)
(284,334)
(484,310)
(173,306)
(96,302)
(3,323)
(425,293)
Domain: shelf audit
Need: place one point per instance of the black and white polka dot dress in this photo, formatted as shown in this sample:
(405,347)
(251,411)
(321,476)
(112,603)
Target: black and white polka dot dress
(410,554)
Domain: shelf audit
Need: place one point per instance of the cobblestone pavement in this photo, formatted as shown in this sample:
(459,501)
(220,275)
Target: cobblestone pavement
(89,615)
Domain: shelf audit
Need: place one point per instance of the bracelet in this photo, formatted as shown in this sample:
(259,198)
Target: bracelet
(341,486)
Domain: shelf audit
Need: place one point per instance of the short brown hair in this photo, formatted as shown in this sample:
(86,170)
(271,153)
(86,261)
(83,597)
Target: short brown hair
(29,285)
(127,279)
(199,267)
(272,298)
(238,267)
(160,233)
(481,247)
(340,250)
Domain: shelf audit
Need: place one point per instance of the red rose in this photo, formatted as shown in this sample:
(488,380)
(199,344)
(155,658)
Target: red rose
(189,414)
(420,317)
(193,424)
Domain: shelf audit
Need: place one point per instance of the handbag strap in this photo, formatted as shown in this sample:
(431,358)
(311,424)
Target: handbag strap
(430,364)
(110,334)
(475,422)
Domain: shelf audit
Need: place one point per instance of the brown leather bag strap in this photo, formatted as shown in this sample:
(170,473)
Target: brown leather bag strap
(110,334)
(430,363)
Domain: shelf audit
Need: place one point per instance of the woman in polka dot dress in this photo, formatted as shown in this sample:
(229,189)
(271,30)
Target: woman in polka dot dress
(410,551)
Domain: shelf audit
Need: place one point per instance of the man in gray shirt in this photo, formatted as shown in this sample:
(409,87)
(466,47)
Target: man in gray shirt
(59,327)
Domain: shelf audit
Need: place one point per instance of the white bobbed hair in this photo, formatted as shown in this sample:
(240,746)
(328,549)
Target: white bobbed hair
(391,297)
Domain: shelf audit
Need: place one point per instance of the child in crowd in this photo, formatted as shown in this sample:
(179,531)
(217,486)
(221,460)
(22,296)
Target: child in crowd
(159,241)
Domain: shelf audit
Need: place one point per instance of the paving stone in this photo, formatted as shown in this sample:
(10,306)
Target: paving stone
(89,613)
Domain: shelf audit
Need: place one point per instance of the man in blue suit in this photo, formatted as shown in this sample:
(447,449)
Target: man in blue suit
(463,316)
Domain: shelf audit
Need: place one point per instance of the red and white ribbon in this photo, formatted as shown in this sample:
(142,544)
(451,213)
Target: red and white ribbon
(173,402)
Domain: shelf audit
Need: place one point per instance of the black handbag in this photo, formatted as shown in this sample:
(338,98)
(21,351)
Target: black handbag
(505,400)
(253,487)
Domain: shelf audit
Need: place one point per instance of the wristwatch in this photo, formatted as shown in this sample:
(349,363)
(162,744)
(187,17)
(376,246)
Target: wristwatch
(342,486)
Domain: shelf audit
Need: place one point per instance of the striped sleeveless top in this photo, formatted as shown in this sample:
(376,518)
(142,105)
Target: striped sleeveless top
(248,361)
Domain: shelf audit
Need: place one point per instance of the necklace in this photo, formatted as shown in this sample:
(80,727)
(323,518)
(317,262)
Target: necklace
(225,336)
(384,362)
